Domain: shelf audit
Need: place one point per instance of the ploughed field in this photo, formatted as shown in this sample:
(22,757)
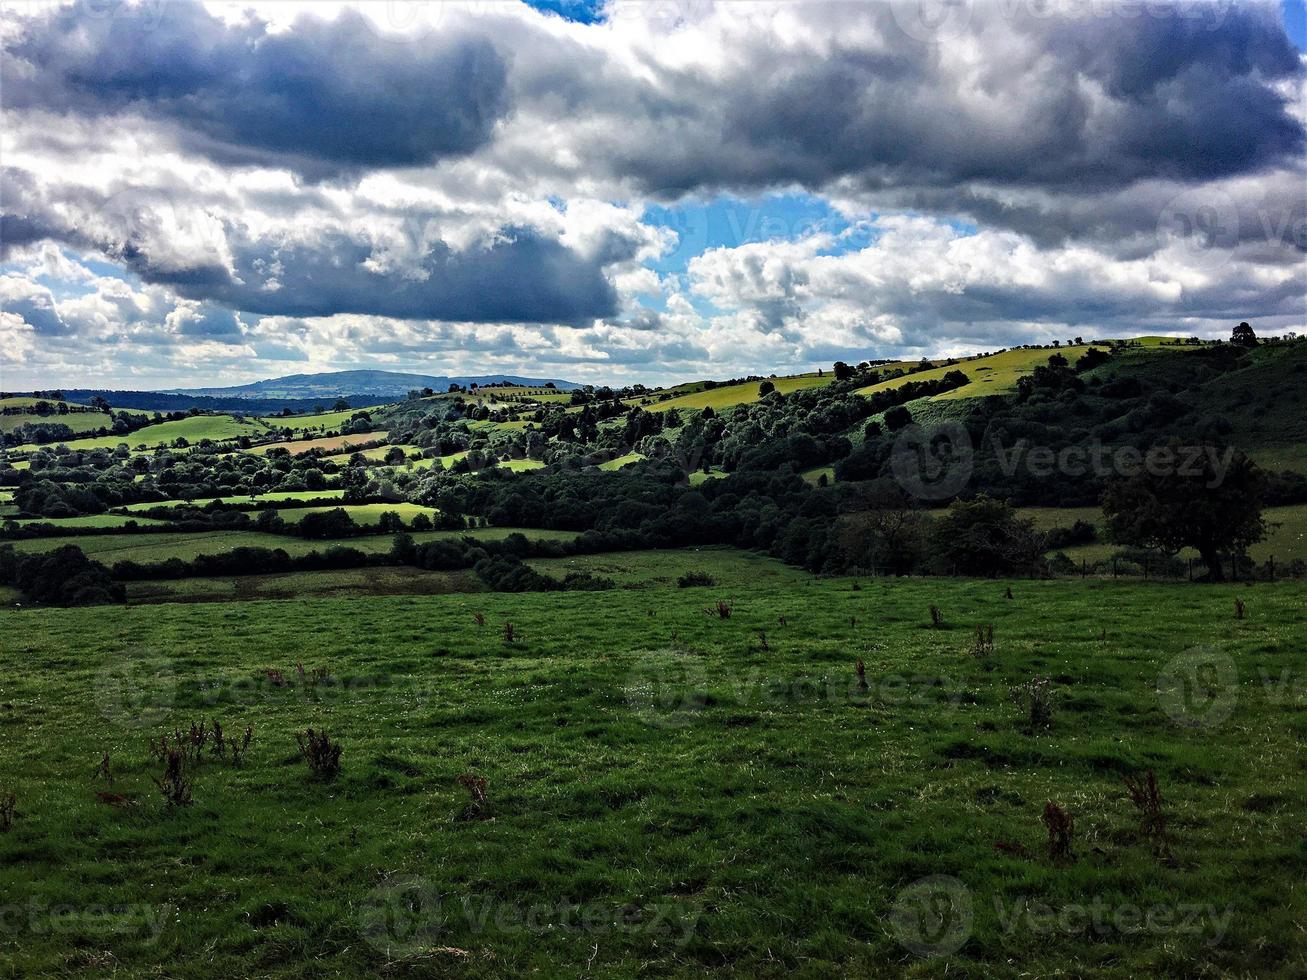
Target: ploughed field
(667,790)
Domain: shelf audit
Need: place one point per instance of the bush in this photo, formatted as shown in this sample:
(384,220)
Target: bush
(64,577)
(320,752)
(695,580)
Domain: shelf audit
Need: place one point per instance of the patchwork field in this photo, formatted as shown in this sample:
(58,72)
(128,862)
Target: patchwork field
(667,792)
(218,428)
(327,444)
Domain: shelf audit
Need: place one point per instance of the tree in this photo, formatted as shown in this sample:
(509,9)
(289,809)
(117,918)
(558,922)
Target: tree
(842,371)
(1189,496)
(897,417)
(1243,336)
(341,405)
(334,523)
(984,537)
(765,389)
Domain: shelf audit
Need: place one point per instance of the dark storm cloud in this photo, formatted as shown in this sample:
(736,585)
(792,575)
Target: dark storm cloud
(322,98)
(1068,104)
(521,277)
(518,276)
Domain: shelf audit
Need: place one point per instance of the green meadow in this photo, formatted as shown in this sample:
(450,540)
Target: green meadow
(217,428)
(667,791)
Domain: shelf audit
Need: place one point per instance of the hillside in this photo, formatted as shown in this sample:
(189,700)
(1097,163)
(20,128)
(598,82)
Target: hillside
(335,384)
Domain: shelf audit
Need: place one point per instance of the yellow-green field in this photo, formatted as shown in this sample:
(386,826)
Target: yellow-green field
(237,500)
(376,454)
(333,442)
(728,396)
(620,461)
(77,421)
(1286,537)
(997,374)
(304,423)
(361,513)
(194,429)
(25,401)
(91,520)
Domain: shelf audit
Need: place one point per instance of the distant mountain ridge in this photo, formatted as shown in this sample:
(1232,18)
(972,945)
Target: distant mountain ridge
(335,384)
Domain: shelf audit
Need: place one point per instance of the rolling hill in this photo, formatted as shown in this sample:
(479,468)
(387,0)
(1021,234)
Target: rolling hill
(336,384)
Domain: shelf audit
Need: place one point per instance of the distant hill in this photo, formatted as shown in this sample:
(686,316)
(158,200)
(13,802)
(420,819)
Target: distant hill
(380,384)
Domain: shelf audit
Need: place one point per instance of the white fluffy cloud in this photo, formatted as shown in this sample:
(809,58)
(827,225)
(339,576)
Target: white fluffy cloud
(465,186)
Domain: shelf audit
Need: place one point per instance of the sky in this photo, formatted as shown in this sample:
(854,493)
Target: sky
(636,190)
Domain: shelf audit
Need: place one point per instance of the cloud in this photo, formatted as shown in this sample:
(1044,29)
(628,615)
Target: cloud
(327,189)
(33,303)
(321,98)
(205,321)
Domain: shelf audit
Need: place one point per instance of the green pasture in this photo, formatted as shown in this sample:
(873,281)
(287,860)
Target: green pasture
(668,792)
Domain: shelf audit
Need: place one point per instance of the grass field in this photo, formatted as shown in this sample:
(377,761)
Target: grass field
(815,474)
(161,546)
(727,396)
(667,792)
(26,401)
(996,374)
(325,444)
(77,421)
(618,462)
(193,430)
(361,513)
(297,585)
(1286,537)
(283,496)
(304,423)
(89,520)
(375,454)
(521,465)
(445,461)
(699,477)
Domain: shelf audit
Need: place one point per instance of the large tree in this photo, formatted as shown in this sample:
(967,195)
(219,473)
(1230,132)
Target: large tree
(1244,336)
(1189,496)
